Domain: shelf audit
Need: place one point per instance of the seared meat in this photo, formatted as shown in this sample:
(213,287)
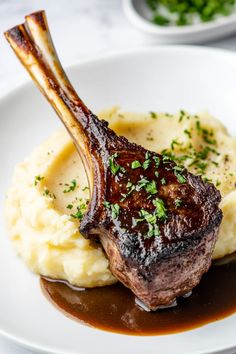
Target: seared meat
(158,223)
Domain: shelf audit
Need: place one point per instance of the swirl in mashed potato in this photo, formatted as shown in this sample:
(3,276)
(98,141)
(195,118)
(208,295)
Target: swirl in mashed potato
(49,191)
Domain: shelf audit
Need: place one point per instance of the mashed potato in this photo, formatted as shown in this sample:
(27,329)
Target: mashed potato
(46,190)
(49,191)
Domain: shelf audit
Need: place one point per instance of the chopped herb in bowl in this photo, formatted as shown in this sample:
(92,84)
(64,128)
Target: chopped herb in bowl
(188,12)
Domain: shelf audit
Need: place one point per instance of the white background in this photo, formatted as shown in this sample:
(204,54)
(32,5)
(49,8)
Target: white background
(81,29)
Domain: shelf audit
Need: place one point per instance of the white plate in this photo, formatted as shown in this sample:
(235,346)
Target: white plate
(162,79)
(139,15)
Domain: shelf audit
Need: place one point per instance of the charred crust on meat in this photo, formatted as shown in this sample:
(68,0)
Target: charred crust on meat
(157,222)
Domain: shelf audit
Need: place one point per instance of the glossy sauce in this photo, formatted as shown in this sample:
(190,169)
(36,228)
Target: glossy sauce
(113,308)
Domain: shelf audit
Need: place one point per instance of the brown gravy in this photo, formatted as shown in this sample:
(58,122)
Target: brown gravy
(113,308)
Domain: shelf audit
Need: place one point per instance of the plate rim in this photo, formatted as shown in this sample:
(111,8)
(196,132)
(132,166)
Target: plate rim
(89,61)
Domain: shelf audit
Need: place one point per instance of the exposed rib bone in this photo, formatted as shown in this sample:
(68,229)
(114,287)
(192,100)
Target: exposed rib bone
(157,250)
(33,45)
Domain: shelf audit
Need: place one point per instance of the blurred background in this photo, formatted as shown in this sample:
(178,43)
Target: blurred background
(81,29)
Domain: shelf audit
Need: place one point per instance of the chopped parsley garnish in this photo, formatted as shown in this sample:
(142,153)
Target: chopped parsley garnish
(151,219)
(173,143)
(198,154)
(187,12)
(81,209)
(131,187)
(147,161)
(156,160)
(207,135)
(85,188)
(178,173)
(71,186)
(135,164)
(114,166)
(163,181)
(114,208)
(180,178)
(38,179)
(106,204)
(188,133)
(206,179)
(153,115)
(69,206)
(146,164)
(141,183)
(181,116)
(169,115)
(161,211)
(151,187)
(178,202)
(165,157)
(47,193)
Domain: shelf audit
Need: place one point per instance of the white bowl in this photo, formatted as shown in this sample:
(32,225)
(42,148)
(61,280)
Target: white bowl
(139,15)
(155,79)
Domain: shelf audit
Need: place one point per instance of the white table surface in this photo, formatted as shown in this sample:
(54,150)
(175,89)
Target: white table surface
(81,29)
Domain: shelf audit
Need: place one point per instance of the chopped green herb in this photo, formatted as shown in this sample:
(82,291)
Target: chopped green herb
(188,133)
(215,163)
(38,179)
(71,186)
(131,187)
(161,211)
(178,203)
(180,178)
(182,115)
(150,218)
(161,20)
(85,188)
(81,209)
(114,166)
(206,179)
(69,206)
(135,164)
(129,184)
(207,135)
(106,204)
(163,181)
(146,164)
(173,143)
(47,193)
(153,115)
(156,160)
(187,12)
(177,171)
(114,208)
(151,187)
